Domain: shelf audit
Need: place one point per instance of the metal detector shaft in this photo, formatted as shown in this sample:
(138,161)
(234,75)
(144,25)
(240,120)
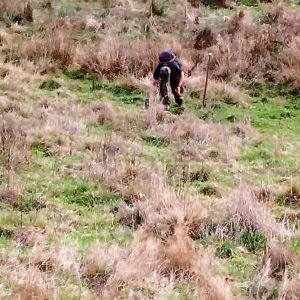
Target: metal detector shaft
(206,80)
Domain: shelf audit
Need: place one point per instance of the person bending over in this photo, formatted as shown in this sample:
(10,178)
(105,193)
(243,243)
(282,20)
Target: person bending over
(167,70)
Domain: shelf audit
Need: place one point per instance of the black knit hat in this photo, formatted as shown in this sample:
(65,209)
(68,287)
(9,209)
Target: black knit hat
(166,56)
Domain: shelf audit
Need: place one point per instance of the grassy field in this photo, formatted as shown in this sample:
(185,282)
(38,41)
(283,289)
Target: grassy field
(102,199)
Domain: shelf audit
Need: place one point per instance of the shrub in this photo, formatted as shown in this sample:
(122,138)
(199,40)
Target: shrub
(204,39)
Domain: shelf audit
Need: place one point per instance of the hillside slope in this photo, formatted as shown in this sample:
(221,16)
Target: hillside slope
(102,199)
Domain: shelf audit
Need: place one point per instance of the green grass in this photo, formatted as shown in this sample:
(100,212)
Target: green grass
(273,110)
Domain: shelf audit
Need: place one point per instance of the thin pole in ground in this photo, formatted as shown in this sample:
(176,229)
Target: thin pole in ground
(206,80)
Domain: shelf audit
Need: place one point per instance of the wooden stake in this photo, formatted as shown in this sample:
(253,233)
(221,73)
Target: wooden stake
(206,80)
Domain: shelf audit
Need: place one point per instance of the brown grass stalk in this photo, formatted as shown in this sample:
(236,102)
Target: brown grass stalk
(246,209)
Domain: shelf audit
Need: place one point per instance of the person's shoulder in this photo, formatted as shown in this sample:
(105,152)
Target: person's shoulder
(176,64)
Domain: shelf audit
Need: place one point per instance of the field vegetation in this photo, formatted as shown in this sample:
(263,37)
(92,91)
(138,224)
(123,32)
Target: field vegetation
(102,199)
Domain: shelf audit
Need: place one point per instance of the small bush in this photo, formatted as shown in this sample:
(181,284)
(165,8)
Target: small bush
(204,39)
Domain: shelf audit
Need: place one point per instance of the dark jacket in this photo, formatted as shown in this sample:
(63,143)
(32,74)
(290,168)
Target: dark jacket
(175,68)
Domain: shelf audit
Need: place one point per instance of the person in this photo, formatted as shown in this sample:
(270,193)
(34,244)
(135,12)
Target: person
(167,70)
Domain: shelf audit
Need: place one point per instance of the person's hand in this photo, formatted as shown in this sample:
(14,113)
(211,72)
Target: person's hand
(178,91)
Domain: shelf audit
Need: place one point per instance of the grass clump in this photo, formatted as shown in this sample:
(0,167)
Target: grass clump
(80,193)
(50,85)
(226,250)
(253,240)
(291,197)
(155,141)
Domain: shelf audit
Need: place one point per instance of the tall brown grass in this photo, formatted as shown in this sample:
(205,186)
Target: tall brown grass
(13,146)
(113,57)
(188,130)
(49,50)
(289,289)
(16,11)
(246,209)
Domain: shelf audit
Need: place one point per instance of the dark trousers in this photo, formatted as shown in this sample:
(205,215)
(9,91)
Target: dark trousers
(163,91)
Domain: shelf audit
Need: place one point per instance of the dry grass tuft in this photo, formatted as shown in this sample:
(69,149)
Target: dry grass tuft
(290,288)
(31,236)
(113,57)
(105,112)
(262,286)
(187,130)
(9,198)
(163,209)
(16,11)
(33,284)
(244,130)
(279,264)
(56,260)
(246,209)
(48,51)
(215,287)
(141,261)
(290,196)
(282,259)
(228,93)
(180,250)
(155,115)
(70,124)
(100,261)
(13,146)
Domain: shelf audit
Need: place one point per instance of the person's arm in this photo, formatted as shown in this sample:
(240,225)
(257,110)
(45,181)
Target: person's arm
(181,79)
(152,89)
(178,89)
